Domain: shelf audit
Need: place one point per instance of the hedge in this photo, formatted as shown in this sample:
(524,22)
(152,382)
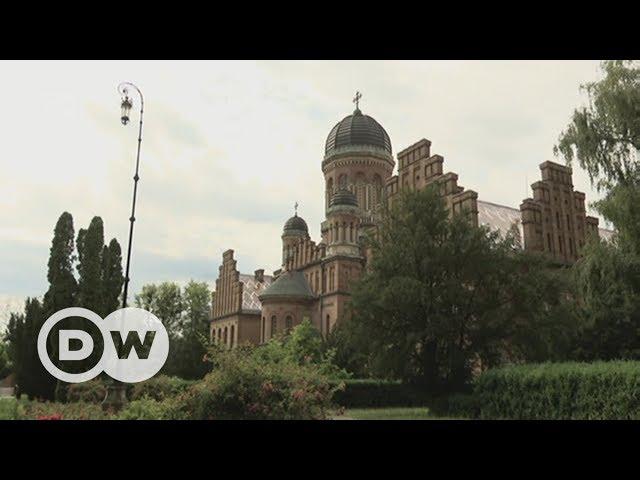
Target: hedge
(363,393)
(585,391)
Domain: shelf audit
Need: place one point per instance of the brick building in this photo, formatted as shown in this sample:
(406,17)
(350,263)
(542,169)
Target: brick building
(314,279)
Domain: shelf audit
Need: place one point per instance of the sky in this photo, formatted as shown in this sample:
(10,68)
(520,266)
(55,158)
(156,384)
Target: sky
(229,147)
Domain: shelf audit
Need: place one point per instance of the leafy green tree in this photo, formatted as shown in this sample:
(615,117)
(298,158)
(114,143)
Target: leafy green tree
(604,136)
(191,346)
(185,314)
(6,367)
(443,295)
(607,283)
(164,301)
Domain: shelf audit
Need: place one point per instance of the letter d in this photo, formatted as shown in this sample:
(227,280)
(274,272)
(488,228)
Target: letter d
(87,345)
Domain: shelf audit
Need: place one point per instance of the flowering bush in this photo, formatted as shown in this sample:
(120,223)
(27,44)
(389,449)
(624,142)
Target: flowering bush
(63,411)
(243,385)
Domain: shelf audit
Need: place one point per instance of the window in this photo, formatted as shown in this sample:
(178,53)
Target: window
(225,335)
(327,325)
(274,326)
(288,323)
(264,326)
(232,335)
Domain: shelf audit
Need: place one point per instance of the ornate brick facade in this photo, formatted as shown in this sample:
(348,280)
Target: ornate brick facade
(315,280)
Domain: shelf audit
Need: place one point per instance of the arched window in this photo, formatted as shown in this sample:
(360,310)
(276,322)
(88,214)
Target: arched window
(264,325)
(232,335)
(274,326)
(342,181)
(225,335)
(289,323)
(327,326)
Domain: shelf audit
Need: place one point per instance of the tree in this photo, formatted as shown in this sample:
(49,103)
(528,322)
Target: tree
(443,295)
(185,314)
(605,135)
(112,278)
(165,302)
(22,333)
(62,283)
(90,248)
(6,366)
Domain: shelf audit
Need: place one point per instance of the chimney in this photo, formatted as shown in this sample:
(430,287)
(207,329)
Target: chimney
(259,275)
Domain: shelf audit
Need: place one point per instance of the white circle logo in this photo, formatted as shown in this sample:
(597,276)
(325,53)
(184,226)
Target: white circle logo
(136,345)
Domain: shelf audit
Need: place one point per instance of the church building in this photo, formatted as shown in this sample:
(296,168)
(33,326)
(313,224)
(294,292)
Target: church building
(314,279)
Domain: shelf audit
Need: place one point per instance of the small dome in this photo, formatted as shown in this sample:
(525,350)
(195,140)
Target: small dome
(290,284)
(296,226)
(358,129)
(343,197)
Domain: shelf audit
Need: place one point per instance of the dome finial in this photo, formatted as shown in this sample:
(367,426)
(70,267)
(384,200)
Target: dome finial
(295,207)
(356,100)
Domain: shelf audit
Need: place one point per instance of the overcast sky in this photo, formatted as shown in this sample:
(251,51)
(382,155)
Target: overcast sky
(230,146)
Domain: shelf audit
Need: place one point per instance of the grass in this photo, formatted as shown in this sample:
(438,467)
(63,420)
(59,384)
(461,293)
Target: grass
(395,413)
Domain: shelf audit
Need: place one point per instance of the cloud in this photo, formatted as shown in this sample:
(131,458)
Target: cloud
(228,147)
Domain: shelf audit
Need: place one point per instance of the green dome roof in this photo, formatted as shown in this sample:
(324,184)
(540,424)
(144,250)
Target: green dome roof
(296,225)
(289,284)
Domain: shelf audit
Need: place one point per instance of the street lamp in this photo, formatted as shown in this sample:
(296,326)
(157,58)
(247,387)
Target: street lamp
(116,393)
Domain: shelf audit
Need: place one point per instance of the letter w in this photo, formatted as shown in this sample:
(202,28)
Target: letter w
(133,340)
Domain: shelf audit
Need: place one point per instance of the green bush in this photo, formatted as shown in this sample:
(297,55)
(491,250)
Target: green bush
(462,405)
(591,391)
(92,391)
(244,386)
(363,393)
(35,410)
(11,409)
(146,409)
(159,388)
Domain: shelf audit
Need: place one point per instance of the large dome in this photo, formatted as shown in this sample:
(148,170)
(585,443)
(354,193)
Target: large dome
(358,129)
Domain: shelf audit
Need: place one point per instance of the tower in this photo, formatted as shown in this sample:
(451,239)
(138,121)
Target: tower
(357,158)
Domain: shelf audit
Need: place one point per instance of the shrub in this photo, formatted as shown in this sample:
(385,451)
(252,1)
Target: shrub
(592,391)
(92,391)
(64,411)
(146,409)
(363,393)
(462,405)
(243,385)
(11,409)
(159,388)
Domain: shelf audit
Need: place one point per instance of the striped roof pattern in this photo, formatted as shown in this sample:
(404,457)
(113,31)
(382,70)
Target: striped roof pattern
(501,218)
(252,290)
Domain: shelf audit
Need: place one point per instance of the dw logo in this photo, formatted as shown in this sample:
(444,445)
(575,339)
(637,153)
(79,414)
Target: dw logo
(143,341)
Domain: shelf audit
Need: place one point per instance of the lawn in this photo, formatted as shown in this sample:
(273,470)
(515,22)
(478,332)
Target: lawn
(395,413)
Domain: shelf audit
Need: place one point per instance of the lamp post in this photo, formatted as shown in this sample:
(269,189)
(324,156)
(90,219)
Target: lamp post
(116,394)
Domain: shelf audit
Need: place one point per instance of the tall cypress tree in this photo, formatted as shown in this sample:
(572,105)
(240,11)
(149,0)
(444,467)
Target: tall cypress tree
(90,247)
(62,283)
(112,278)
